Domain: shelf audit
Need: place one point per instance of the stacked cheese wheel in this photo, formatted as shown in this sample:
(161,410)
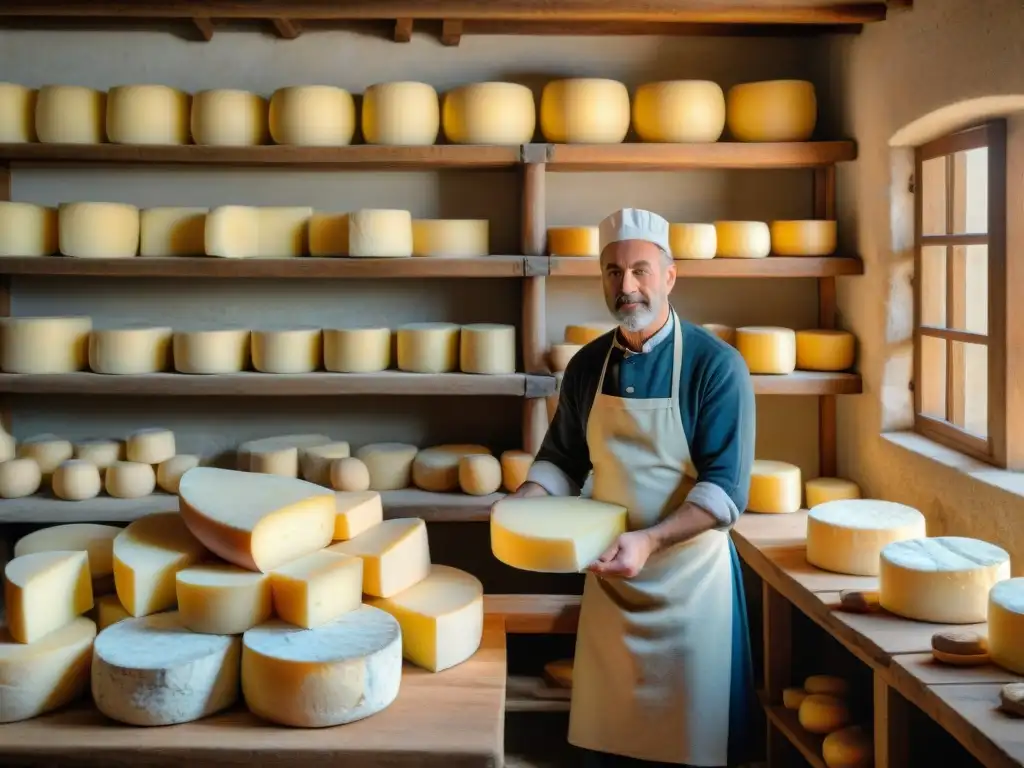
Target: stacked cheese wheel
(575,337)
(775,488)
(774,350)
(823,708)
(271,589)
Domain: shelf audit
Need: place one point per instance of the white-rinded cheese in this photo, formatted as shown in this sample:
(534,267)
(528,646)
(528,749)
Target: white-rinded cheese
(97,540)
(487,348)
(19,478)
(742,239)
(848,535)
(389,464)
(280,453)
(153,671)
(130,351)
(395,555)
(226,117)
(479,474)
(437,469)
(944,580)
(48,451)
(147,114)
(584,111)
(380,233)
(693,241)
(823,489)
(147,556)
(318,588)
(792,698)
(312,115)
(489,113)
(1006,625)
(450,237)
(17,114)
(211,352)
(296,350)
(99,451)
(129,479)
(684,111)
(315,460)
(428,347)
(573,241)
(27,229)
(44,344)
(259,522)
(357,350)
(71,114)
(356,512)
(772,110)
(803,237)
(75,480)
(824,350)
(559,355)
(172,231)
(108,610)
(328,234)
(49,673)
(554,534)
(98,230)
(515,466)
(775,487)
(44,591)
(442,618)
(221,599)
(403,113)
(830,684)
(313,678)
(169,471)
(584,333)
(820,713)
(150,445)
(246,232)
(767,349)
(349,474)
(850,747)
(725,332)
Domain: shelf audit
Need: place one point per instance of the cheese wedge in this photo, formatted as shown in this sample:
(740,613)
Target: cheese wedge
(356,512)
(317,588)
(94,538)
(45,591)
(221,599)
(395,555)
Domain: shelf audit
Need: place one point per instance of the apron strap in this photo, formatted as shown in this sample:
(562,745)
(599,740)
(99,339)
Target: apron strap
(677,360)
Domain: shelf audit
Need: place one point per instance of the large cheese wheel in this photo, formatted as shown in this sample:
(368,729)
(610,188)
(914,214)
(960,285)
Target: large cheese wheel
(943,580)
(450,237)
(19,478)
(357,350)
(1006,625)
(48,451)
(725,332)
(848,536)
(679,111)
(403,113)
(312,115)
(774,487)
(808,237)
(389,464)
(742,239)
(241,231)
(220,599)
(229,118)
(428,347)
(98,230)
(692,241)
(44,344)
(75,480)
(584,111)
(380,233)
(297,350)
(328,234)
(489,113)
(824,489)
(334,674)
(278,455)
(767,349)
(71,114)
(130,351)
(585,333)
(211,352)
(172,231)
(515,466)
(315,460)
(17,114)
(437,468)
(850,747)
(43,591)
(488,348)
(27,229)
(153,671)
(824,350)
(147,114)
(772,110)
(573,241)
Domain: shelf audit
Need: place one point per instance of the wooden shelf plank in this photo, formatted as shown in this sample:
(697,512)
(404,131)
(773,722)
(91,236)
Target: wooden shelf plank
(809,745)
(773,266)
(535,614)
(722,154)
(796,383)
(521,695)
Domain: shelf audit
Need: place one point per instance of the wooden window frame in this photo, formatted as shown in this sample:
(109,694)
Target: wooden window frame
(993,448)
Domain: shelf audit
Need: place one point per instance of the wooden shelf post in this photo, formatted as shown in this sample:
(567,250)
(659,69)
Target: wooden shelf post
(825,208)
(778,663)
(534,315)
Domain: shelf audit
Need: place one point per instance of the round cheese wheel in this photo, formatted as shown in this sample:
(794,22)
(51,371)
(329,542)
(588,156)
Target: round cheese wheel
(848,535)
(693,241)
(725,332)
(129,480)
(767,349)
(99,452)
(336,673)
(792,698)
(277,455)
(315,461)
(489,113)
(683,111)
(437,469)
(943,580)
(27,229)
(808,237)
(742,239)
(98,230)
(153,671)
(349,474)
(8,446)
(71,114)
(573,241)
(559,355)
(150,446)
(172,231)
(380,233)
(515,466)
(313,116)
(774,487)
(450,237)
(211,352)
(297,350)
(48,451)
(130,351)
(229,118)
(772,110)
(389,464)
(428,347)
(169,471)
(17,114)
(222,599)
(584,111)
(824,350)
(830,684)
(824,489)
(850,747)
(487,348)
(75,480)
(583,334)
(401,114)
(820,713)
(479,474)
(328,234)
(357,350)
(1006,624)
(44,344)
(19,478)
(147,114)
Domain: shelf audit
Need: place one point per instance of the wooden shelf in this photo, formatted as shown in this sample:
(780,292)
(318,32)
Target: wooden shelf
(535,614)
(809,745)
(773,266)
(278,385)
(796,383)
(722,154)
(531,694)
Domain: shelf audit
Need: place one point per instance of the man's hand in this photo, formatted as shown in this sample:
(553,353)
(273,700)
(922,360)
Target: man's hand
(626,557)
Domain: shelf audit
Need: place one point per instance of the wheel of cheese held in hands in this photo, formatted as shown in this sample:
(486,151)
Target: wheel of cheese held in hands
(683,111)
(148,114)
(313,116)
(401,114)
(489,113)
(848,535)
(17,114)
(27,229)
(772,110)
(71,114)
(584,111)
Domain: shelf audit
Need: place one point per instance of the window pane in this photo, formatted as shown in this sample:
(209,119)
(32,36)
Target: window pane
(969,387)
(933,377)
(933,285)
(933,196)
(970,191)
(970,288)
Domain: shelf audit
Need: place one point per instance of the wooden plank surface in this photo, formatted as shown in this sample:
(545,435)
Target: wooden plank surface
(884,634)
(792,561)
(808,744)
(773,266)
(772,530)
(722,154)
(808,383)
(451,719)
(535,614)
(921,669)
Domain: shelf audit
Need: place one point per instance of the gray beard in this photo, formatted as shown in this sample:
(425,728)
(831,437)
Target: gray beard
(637,319)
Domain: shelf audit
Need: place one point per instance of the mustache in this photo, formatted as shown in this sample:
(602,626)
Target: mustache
(630,298)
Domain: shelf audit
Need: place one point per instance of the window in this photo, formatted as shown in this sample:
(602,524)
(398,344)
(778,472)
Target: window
(959,291)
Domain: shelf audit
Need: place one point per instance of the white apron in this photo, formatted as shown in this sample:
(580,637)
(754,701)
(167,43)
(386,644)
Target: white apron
(652,673)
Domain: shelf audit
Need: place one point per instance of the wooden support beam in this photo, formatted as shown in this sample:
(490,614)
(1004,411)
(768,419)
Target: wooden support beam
(403,30)
(205,27)
(825,208)
(451,32)
(287,29)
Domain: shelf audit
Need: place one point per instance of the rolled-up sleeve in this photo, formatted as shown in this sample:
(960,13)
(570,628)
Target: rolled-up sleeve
(563,462)
(722,448)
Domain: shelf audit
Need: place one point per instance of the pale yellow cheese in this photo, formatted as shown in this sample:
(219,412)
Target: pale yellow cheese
(402,113)
(130,351)
(71,114)
(355,513)
(99,451)
(830,684)
(772,110)
(515,466)
(767,349)
(479,474)
(584,111)
(437,468)
(45,591)
(943,580)
(211,352)
(246,232)
(147,114)
(17,114)
(725,332)
(75,480)
(380,233)
(278,455)
(582,334)
(823,489)
(554,534)
(428,347)
(792,698)
(803,237)
(8,446)
(226,117)
(19,478)
(1006,625)
(742,239)
(850,747)
(389,464)
(312,115)
(169,471)
(318,588)
(172,231)
(27,229)
(848,535)
(693,241)
(774,487)
(295,350)
(357,350)
(48,451)
(559,355)
(683,111)
(44,344)
(349,474)
(824,350)
(487,348)
(315,460)
(221,599)
(95,539)
(395,553)
(450,237)
(820,713)
(256,521)
(442,618)
(489,113)
(109,611)
(328,234)
(573,241)
(98,230)
(129,479)
(150,445)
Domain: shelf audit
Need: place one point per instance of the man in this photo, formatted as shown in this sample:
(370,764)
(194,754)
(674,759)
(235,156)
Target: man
(662,412)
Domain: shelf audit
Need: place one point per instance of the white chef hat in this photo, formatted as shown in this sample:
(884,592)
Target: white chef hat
(634,224)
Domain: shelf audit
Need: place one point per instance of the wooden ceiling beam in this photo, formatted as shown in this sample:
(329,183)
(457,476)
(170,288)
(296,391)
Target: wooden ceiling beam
(205,27)
(287,29)
(403,30)
(451,32)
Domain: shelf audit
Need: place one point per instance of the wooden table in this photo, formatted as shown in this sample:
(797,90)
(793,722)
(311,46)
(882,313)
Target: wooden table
(452,719)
